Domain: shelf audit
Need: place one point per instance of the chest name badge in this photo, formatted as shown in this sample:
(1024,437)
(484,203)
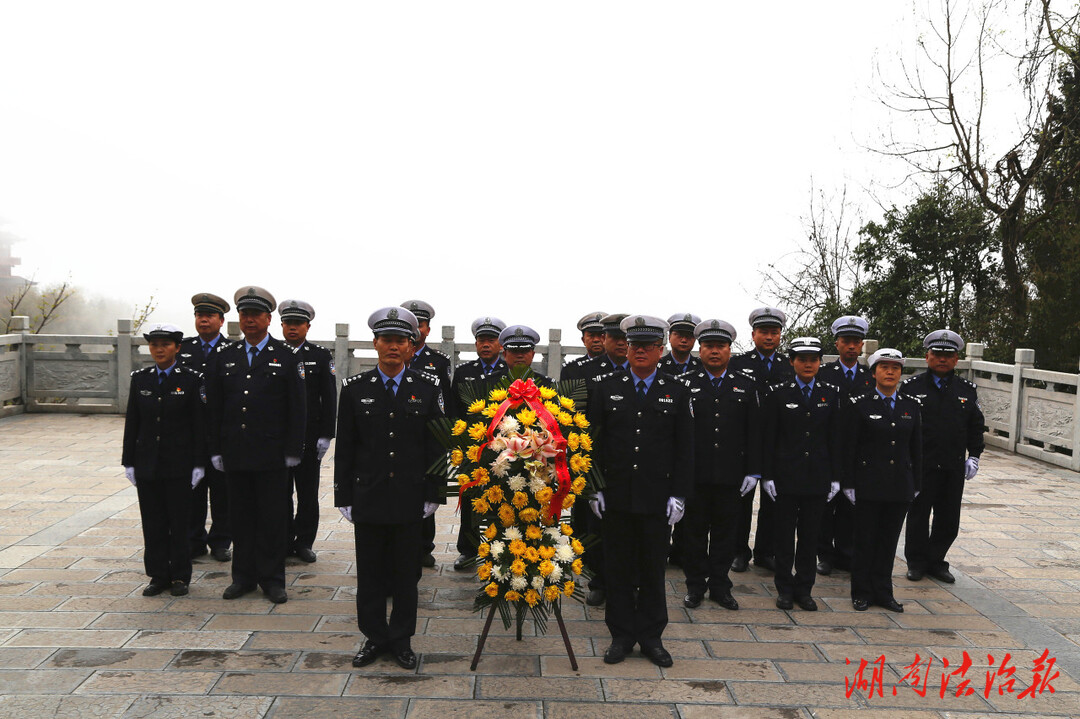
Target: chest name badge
(875,416)
(792,405)
(367,400)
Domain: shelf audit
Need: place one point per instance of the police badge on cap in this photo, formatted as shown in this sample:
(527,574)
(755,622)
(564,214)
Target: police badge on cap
(644,328)
(804,345)
(943,341)
(251,297)
(519,337)
(422,310)
(715,330)
(296,310)
(487,327)
(683,322)
(163,331)
(886,354)
(850,326)
(206,302)
(767,316)
(393,321)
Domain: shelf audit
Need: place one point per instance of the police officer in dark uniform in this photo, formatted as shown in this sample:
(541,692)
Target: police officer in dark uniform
(592,336)
(953,427)
(727,448)
(882,473)
(681,338)
(519,348)
(767,366)
(164,450)
(837,521)
(426,359)
(800,468)
(642,424)
(381,484)
(321,403)
(256,412)
(614,355)
(195,353)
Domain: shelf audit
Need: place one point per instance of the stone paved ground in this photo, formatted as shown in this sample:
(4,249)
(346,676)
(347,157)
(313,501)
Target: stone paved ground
(77,639)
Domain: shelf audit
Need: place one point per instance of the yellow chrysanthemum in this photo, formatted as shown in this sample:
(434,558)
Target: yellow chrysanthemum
(578,485)
(517,547)
(473,453)
(580,421)
(586,443)
(580,463)
(576,566)
(520,499)
(566,529)
(527,417)
(458,427)
(528,515)
(491,532)
(576,546)
(456,457)
(543,495)
(477,431)
(567,403)
(547,392)
(483,550)
(547,551)
(481,476)
(477,406)
(484,571)
(546,568)
(568,500)
(568,589)
(492,590)
(533,532)
(546,520)
(566,418)
(491,410)
(551,593)
(551,407)
(532,556)
(517,567)
(512,596)
(494,494)
(506,515)
(481,506)
(532,598)
(462,479)
(497,395)
(573,440)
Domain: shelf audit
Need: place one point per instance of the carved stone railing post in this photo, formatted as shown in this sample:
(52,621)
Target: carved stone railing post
(21,325)
(1074,464)
(233,331)
(341,351)
(448,348)
(1025,359)
(974,351)
(553,356)
(123,363)
(869,347)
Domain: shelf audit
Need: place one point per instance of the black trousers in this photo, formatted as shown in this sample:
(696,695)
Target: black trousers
(259,514)
(304,523)
(764,533)
(387,564)
(877,531)
(467,538)
(677,551)
(164,507)
(926,545)
(636,558)
(427,546)
(797,515)
(837,533)
(712,518)
(214,487)
(585,525)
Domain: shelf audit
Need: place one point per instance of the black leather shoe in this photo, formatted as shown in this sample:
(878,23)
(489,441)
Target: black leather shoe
(428,560)
(807,604)
(725,600)
(595,598)
(657,655)
(892,605)
(616,652)
(276,595)
(739,564)
(784,602)
(154,588)
(692,600)
(765,563)
(824,568)
(179,588)
(222,554)
(367,654)
(304,554)
(236,589)
(861,605)
(462,563)
(915,575)
(942,575)
(406,659)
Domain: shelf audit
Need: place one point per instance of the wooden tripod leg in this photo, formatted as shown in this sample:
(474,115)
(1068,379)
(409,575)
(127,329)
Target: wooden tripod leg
(565,638)
(483,638)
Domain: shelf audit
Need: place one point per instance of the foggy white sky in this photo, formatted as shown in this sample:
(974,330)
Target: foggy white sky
(531,161)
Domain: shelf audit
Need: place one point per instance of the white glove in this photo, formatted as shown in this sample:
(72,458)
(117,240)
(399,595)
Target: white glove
(429,508)
(197,475)
(218,463)
(748,485)
(292,461)
(346,512)
(322,444)
(596,504)
(129,472)
(769,487)
(971,467)
(850,494)
(917,492)
(676,508)
(834,489)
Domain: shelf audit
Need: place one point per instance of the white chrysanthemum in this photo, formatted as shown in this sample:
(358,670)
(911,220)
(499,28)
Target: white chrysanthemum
(516,483)
(556,575)
(564,553)
(498,573)
(554,533)
(501,465)
(509,425)
(497,445)
(536,484)
(497,548)
(511,533)
(538,583)
(518,584)
(562,540)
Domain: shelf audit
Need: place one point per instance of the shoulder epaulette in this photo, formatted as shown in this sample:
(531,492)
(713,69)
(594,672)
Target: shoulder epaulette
(141,369)
(830,385)
(428,377)
(345,382)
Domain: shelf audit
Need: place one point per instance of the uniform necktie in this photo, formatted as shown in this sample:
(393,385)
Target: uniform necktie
(254,351)
(205,349)
(161,375)
(716,382)
(851,376)
(641,389)
(806,393)
(889,403)
(390,388)
(768,365)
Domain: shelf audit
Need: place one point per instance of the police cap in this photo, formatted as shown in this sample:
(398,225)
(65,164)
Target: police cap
(296,310)
(683,322)
(943,341)
(592,322)
(613,324)
(765,316)
(206,302)
(251,297)
(850,326)
(487,327)
(422,310)
(519,337)
(644,328)
(886,354)
(715,330)
(393,321)
(163,331)
(804,346)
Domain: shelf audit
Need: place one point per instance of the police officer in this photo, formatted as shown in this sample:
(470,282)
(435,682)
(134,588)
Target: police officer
(952,427)
(644,444)
(727,448)
(487,367)
(681,338)
(837,521)
(519,349)
(321,403)
(800,468)
(256,410)
(381,484)
(426,359)
(882,473)
(592,336)
(767,366)
(614,355)
(164,450)
(195,353)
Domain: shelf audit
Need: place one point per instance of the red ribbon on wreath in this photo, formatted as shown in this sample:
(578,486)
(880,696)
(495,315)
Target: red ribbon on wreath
(526,391)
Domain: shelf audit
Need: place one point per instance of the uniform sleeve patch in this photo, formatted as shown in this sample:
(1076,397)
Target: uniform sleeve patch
(300,370)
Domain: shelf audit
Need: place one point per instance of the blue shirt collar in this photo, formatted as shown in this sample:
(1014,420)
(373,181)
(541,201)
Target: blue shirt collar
(647,380)
(885,396)
(168,370)
(766,358)
(385,377)
(261,345)
(804,385)
(616,365)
